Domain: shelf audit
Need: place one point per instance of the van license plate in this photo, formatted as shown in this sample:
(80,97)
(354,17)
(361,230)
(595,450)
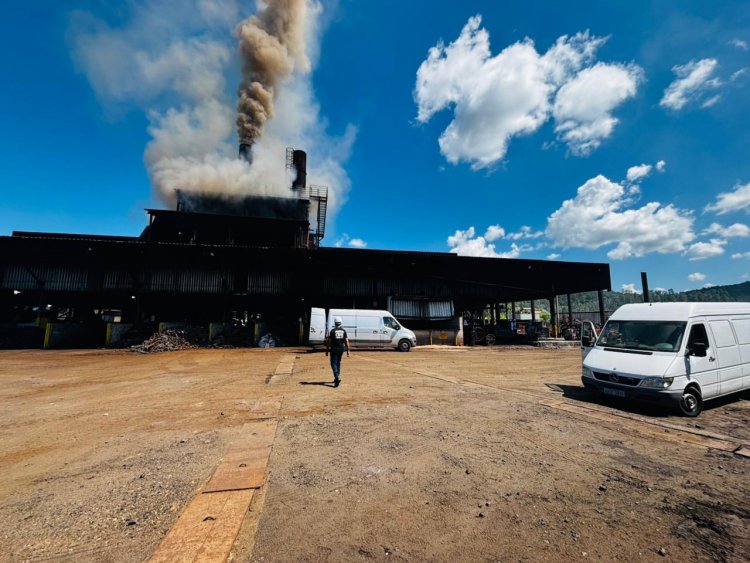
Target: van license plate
(614,392)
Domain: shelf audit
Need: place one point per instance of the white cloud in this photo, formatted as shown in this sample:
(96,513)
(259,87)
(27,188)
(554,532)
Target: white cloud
(708,285)
(737,200)
(496,98)
(597,216)
(740,255)
(466,243)
(737,230)
(525,232)
(711,101)
(630,288)
(553,256)
(636,173)
(346,240)
(697,277)
(583,106)
(736,75)
(694,80)
(494,232)
(660,166)
(739,43)
(704,250)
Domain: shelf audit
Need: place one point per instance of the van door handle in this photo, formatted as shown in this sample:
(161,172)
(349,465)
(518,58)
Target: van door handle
(711,359)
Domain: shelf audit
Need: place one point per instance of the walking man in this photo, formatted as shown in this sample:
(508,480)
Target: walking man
(336,343)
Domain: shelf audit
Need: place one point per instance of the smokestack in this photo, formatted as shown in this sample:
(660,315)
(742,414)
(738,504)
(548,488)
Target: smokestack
(299,161)
(644,283)
(246,151)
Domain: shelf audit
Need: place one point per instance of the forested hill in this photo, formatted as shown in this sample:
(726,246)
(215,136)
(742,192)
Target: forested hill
(613,299)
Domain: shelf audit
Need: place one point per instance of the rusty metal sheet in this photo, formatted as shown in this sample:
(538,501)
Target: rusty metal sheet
(206,529)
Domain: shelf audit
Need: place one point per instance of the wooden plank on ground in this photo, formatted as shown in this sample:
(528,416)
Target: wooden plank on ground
(240,470)
(284,370)
(244,467)
(206,529)
(645,428)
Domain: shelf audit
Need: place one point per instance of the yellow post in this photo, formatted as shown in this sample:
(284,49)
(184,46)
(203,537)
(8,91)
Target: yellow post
(47,336)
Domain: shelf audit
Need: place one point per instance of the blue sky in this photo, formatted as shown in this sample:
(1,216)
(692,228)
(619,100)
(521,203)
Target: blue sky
(610,132)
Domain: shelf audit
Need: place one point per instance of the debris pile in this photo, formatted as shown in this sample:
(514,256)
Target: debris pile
(167,341)
(136,334)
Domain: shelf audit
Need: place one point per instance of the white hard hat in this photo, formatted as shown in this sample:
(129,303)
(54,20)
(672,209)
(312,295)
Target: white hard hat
(337,320)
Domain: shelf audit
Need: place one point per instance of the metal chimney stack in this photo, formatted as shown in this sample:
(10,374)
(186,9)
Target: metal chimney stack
(246,150)
(299,161)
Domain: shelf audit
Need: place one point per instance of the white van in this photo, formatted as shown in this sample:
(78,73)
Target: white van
(366,328)
(678,353)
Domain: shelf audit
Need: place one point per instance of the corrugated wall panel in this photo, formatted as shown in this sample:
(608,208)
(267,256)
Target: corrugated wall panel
(403,309)
(19,278)
(193,281)
(54,278)
(117,280)
(273,283)
(359,287)
(163,281)
(334,286)
(440,309)
(420,309)
(65,279)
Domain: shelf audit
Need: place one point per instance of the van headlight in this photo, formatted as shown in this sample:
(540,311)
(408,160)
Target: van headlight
(586,372)
(657,382)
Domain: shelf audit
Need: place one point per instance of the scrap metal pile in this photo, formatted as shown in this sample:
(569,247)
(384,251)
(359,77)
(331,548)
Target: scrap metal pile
(167,341)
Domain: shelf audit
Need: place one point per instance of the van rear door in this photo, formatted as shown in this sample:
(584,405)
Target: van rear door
(317,333)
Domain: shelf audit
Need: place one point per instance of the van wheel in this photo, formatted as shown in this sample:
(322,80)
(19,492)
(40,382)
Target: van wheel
(404,346)
(691,402)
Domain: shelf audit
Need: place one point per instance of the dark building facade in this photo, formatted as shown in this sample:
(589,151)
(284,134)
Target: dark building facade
(218,260)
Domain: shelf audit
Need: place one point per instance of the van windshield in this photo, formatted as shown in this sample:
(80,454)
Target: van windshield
(659,336)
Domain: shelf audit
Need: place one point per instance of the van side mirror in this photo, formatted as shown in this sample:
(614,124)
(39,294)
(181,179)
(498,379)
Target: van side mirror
(586,341)
(698,349)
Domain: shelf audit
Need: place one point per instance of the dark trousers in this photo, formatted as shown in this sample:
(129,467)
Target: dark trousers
(336,363)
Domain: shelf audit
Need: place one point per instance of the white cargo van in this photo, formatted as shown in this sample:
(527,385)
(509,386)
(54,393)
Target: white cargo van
(678,353)
(365,328)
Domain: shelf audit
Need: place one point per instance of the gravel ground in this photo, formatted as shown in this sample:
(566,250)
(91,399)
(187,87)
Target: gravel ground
(438,454)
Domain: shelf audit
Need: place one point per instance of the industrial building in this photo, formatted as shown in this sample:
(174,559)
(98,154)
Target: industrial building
(250,264)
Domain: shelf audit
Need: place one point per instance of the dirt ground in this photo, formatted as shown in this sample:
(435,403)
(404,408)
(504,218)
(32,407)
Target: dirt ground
(434,455)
